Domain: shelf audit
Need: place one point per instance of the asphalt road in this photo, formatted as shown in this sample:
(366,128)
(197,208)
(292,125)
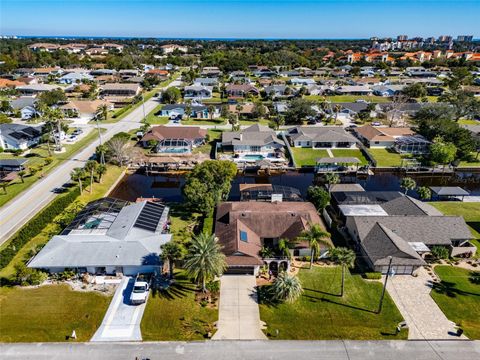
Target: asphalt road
(251,350)
(22,208)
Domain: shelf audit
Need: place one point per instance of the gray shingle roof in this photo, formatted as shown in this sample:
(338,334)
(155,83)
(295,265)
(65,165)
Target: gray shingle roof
(381,242)
(431,230)
(321,134)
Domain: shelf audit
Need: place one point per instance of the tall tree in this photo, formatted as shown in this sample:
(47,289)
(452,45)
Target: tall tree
(442,152)
(408,183)
(171,252)
(101,170)
(91,166)
(318,196)
(315,236)
(345,258)
(78,174)
(331,179)
(205,260)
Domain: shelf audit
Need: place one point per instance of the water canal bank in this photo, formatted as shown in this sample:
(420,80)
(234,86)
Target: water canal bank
(168,186)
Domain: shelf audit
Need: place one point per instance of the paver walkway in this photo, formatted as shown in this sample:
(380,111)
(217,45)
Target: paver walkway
(424,318)
(238,316)
(122,320)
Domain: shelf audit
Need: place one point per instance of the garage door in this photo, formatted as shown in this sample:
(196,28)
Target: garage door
(240,270)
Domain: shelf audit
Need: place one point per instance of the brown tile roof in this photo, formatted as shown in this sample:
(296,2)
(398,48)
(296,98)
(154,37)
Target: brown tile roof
(260,220)
(10,83)
(174,132)
(372,133)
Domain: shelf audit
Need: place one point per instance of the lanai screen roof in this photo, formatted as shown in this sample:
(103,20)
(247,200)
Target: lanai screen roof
(362,210)
(449,191)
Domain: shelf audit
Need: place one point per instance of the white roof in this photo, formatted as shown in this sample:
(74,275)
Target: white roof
(363,210)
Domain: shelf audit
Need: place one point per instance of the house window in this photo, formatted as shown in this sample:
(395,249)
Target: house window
(243,236)
(377,142)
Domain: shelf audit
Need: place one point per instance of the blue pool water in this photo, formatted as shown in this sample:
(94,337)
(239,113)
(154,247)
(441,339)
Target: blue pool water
(253,157)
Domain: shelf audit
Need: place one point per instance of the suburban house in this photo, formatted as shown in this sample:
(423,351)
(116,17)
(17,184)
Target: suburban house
(197,111)
(389,223)
(170,48)
(26,106)
(206,82)
(245,110)
(120,89)
(401,139)
(198,92)
(7,165)
(75,77)
(241,90)
(35,89)
(109,236)
(174,139)
(211,71)
(387,90)
(354,90)
(302,81)
(275,91)
(321,137)
(19,137)
(256,142)
(244,227)
(84,109)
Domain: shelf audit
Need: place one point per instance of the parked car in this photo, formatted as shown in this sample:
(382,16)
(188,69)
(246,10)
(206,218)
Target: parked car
(376,123)
(77,132)
(72,138)
(139,293)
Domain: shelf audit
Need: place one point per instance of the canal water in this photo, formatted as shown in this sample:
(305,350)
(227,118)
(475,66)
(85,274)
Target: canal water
(167,187)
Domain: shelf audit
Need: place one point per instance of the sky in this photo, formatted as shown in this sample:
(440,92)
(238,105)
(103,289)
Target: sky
(241,18)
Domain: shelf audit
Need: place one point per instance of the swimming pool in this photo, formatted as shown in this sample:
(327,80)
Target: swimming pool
(253,157)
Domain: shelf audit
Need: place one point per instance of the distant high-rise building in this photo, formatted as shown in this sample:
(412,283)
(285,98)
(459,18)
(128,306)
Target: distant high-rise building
(444,38)
(402,37)
(464,38)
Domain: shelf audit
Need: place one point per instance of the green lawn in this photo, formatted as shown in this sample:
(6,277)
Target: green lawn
(152,119)
(468,122)
(459,298)
(253,122)
(469,211)
(387,157)
(99,190)
(49,313)
(37,157)
(174,315)
(350,153)
(307,156)
(320,314)
(474,162)
(349,98)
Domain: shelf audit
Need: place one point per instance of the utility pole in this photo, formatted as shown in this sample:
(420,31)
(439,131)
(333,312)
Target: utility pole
(143,107)
(385,285)
(102,156)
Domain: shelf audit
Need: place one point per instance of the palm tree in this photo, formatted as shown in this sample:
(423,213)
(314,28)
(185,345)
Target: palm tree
(211,111)
(172,251)
(77,174)
(284,248)
(90,167)
(188,109)
(55,116)
(408,183)
(101,170)
(286,287)
(102,112)
(331,179)
(315,236)
(205,259)
(22,173)
(233,120)
(345,258)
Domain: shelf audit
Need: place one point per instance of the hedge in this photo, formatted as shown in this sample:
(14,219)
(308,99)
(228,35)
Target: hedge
(36,225)
(373,275)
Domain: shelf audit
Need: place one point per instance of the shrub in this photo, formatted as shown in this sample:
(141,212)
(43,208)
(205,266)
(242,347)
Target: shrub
(373,275)
(214,287)
(440,252)
(306,258)
(25,276)
(48,161)
(35,226)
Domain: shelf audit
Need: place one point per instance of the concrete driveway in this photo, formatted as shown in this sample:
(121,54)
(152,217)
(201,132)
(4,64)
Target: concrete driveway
(122,320)
(424,318)
(238,316)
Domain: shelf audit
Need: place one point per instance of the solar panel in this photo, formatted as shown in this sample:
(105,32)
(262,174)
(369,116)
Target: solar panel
(150,216)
